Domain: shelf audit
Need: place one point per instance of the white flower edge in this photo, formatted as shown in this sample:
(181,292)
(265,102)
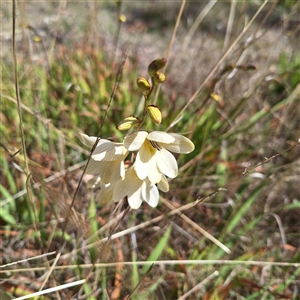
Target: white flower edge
(154,165)
(108,171)
(105,149)
(181,144)
(138,190)
(174,142)
(135,140)
(88,141)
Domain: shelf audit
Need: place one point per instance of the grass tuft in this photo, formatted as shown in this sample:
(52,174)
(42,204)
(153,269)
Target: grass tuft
(229,226)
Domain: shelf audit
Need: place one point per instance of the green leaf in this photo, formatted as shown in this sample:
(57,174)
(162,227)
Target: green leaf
(151,289)
(7,217)
(93,228)
(135,273)
(237,215)
(292,206)
(88,291)
(158,249)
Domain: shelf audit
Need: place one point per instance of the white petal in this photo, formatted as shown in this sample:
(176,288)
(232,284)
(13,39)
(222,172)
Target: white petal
(108,151)
(145,190)
(104,151)
(163,185)
(121,190)
(143,160)
(122,169)
(93,167)
(150,193)
(154,196)
(160,137)
(120,149)
(128,186)
(134,141)
(180,145)
(94,182)
(154,174)
(135,199)
(166,163)
(108,171)
(87,140)
(104,196)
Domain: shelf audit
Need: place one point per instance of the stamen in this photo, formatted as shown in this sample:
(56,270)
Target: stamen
(155,145)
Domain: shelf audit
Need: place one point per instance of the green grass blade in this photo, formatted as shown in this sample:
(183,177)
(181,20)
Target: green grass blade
(237,216)
(158,249)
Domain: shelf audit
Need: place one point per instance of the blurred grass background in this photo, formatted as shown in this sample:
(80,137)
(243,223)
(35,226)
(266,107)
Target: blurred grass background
(68,57)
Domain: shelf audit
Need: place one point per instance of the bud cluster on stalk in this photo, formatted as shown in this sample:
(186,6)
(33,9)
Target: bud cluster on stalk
(147,88)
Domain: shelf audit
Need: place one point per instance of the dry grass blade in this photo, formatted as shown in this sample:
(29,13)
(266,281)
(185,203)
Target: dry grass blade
(196,24)
(59,197)
(197,227)
(167,262)
(51,290)
(27,259)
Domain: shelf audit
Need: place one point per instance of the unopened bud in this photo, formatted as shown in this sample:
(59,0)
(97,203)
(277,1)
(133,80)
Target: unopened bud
(156,65)
(127,123)
(154,113)
(37,39)
(215,96)
(122,18)
(158,78)
(143,84)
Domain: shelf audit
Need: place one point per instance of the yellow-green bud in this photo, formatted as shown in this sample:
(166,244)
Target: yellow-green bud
(37,38)
(158,78)
(122,18)
(143,84)
(215,96)
(128,122)
(156,65)
(154,113)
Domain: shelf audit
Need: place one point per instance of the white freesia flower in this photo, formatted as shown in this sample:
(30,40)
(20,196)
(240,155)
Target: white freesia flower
(138,190)
(153,158)
(107,159)
(143,179)
(125,188)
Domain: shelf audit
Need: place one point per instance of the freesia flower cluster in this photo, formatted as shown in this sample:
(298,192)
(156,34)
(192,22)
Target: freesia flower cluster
(140,179)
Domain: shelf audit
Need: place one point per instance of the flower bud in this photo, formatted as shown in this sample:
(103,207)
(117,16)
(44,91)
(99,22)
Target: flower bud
(156,65)
(215,96)
(143,84)
(37,39)
(158,78)
(122,18)
(128,122)
(154,113)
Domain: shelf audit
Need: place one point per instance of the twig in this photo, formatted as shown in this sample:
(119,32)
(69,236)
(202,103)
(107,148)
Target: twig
(197,227)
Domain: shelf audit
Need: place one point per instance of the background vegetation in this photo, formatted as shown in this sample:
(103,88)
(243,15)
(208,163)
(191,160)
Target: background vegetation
(229,227)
